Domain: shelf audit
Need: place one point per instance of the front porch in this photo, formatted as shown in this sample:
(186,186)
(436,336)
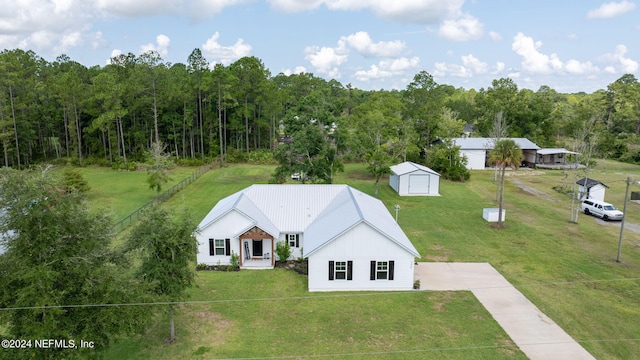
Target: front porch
(256,249)
(257,264)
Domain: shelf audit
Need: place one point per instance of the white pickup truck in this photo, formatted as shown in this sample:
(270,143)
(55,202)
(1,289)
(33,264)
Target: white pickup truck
(601,209)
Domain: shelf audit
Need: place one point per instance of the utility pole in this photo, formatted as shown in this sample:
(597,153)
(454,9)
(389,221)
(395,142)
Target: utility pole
(624,215)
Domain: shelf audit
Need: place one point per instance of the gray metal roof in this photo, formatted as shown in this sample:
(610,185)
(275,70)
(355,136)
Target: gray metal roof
(409,167)
(488,143)
(550,151)
(589,183)
(322,212)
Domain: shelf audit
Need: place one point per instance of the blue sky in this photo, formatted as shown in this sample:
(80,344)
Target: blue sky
(569,45)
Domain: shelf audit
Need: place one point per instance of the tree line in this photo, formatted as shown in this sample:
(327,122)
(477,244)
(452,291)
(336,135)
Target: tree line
(112,115)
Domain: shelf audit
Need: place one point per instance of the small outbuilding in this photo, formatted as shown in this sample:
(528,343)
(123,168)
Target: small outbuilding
(411,179)
(591,189)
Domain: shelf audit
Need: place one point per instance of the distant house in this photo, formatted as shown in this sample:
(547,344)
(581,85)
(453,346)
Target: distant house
(350,239)
(477,150)
(411,179)
(555,158)
(591,189)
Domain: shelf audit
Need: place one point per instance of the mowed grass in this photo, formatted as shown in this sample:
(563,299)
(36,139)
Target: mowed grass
(568,270)
(265,314)
(119,193)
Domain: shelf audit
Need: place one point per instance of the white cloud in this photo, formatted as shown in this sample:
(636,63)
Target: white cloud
(204,9)
(462,28)
(296,70)
(475,65)
(611,9)
(533,60)
(624,64)
(387,69)
(470,66)
(412,11)
(326,60)
(362,43)
(225,54)
(291,6)
(135,8)
(45,25)
(577,68)
(443,69)
(161,46)
(495,36)
(114,53)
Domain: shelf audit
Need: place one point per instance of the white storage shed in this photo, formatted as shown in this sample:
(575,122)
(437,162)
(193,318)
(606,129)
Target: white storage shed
(411,179)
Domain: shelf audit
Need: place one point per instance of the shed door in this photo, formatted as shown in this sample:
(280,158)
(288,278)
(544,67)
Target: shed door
(419,183)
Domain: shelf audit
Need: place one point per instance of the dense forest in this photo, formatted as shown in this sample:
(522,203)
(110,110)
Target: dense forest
(111,115)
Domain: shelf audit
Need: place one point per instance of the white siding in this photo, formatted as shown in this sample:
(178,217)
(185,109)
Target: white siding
(597,192)
(361,244)
(226,227)
(476,159)
(394,182)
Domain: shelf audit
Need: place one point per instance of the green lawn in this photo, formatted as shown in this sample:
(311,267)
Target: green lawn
(568,270)
(122,192)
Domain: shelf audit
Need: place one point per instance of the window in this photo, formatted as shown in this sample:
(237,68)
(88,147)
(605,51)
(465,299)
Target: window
(381,270)
(340,270)
(294,240)
(219,247)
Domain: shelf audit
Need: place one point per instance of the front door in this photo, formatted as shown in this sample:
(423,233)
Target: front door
(257,248)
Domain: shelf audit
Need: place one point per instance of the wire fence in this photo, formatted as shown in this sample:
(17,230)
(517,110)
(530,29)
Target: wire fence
(160,198)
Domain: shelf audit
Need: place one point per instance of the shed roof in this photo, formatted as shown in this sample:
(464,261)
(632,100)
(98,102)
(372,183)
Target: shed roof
(550,151)
(322,212)
(589,183)
(409,167)
(488,143)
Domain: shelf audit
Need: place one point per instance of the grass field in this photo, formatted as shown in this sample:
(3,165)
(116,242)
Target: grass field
(568,270)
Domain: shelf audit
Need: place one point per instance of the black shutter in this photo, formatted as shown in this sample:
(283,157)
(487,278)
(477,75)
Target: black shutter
(391,270)
(212,247)
(227,247)
(331,267)
(372,273)
(297,240)
(349,270)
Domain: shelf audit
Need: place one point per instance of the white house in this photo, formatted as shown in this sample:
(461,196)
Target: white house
(477,150)
(414,179)
(350,239)
(591,189)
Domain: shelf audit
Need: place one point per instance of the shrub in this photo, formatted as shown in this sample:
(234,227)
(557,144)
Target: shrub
(235,260)
(283,250)
(72,180)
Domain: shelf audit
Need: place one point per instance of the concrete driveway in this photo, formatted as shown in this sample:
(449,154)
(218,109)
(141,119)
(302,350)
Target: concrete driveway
(535,333)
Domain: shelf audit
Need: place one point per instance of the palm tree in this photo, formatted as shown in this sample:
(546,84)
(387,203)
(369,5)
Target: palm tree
(506,153)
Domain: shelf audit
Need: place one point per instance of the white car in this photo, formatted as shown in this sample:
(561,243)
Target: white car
(601,209)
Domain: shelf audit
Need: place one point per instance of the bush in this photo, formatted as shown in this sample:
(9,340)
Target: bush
(261,157)
(283,250)
(448,162)
(72,180)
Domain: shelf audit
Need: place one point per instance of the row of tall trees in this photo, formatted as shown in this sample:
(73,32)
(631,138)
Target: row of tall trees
(115,113)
